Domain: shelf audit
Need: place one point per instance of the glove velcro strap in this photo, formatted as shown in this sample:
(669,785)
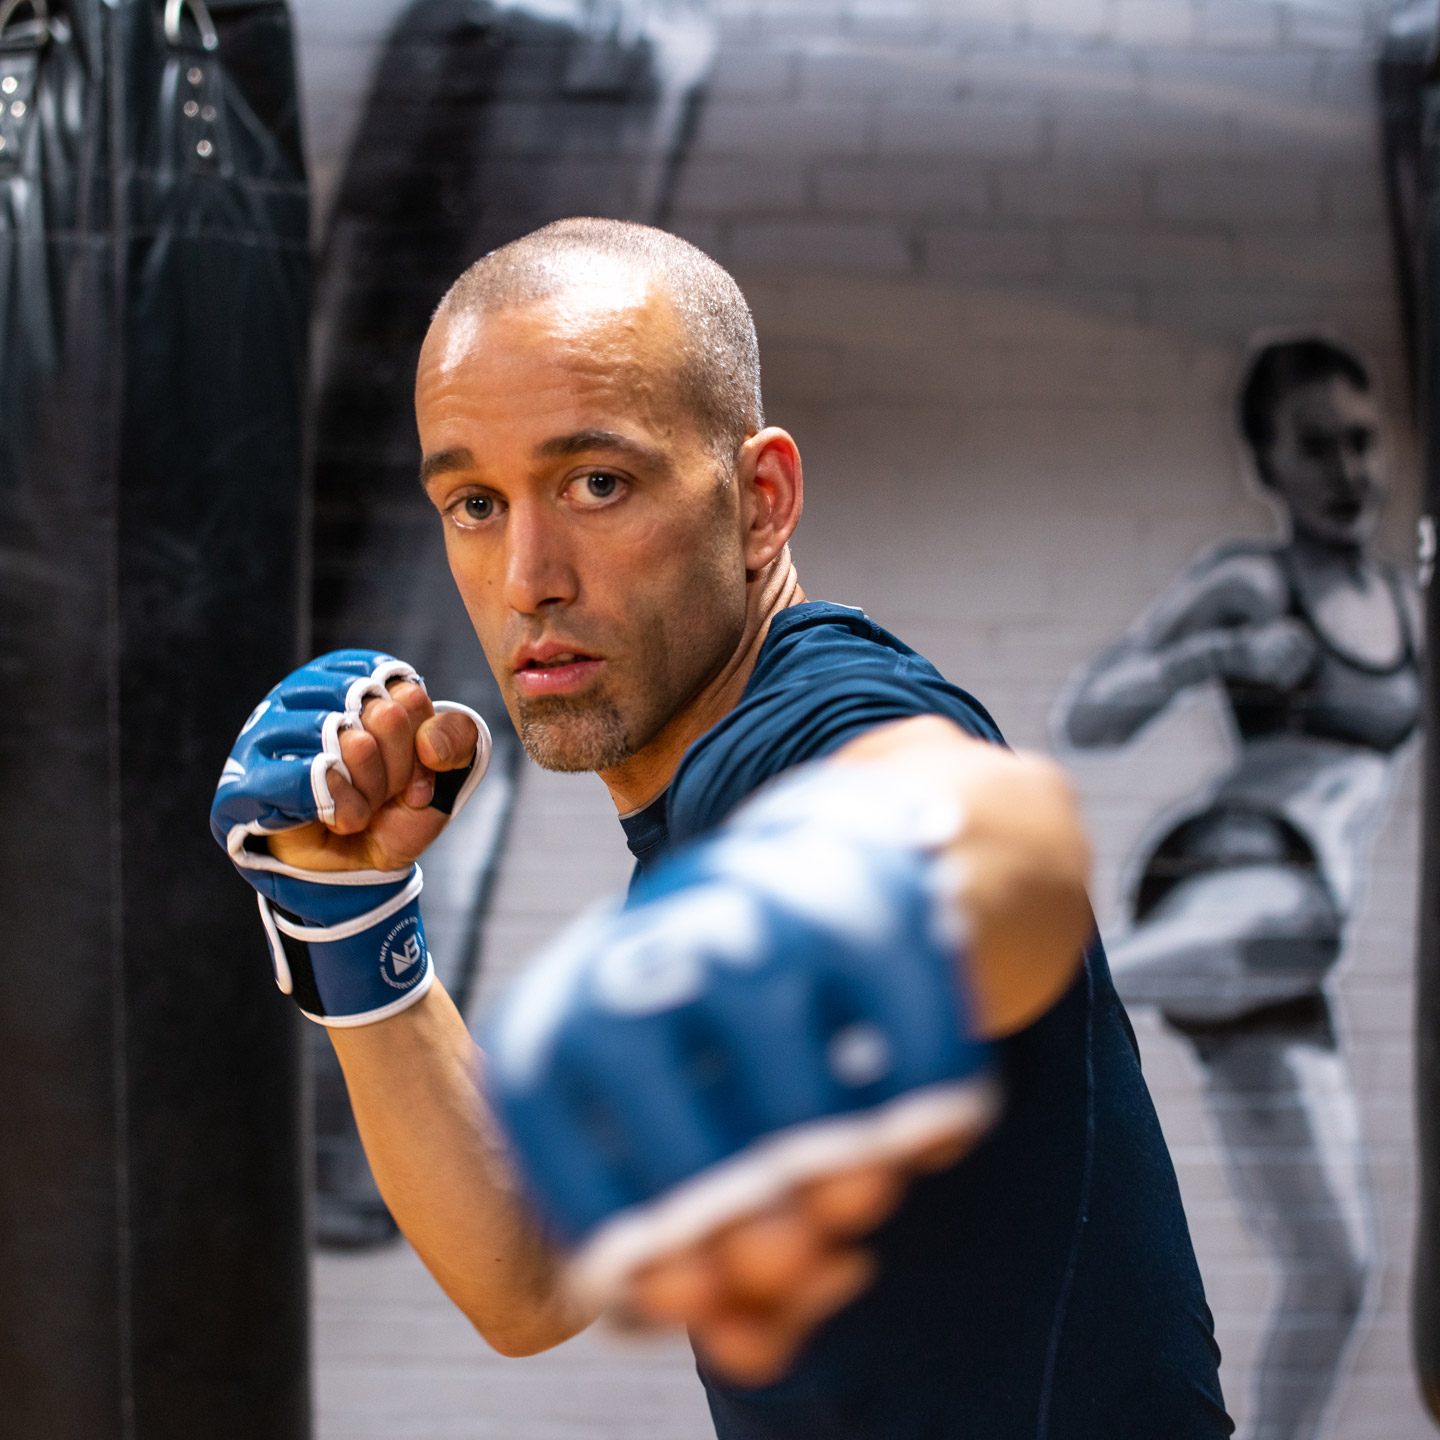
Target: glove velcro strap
(358,971)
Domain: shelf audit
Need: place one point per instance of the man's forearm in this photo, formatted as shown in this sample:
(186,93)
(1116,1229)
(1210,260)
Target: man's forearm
(414,1084)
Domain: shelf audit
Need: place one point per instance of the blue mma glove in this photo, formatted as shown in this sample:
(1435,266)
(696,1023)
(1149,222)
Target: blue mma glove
(776,1002)
(348,945)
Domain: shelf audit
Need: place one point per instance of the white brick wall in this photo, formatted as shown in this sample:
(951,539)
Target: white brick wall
(1005,256)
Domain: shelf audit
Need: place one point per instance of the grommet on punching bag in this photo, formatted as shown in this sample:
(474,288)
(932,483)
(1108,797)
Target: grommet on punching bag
(153,313)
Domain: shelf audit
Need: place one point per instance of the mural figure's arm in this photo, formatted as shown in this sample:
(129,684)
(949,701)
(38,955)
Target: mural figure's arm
(1225,618)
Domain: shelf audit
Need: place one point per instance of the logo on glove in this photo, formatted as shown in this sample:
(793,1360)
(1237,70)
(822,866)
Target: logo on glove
(402,955)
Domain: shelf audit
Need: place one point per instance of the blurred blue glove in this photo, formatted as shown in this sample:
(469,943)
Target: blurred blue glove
(348,945)
(776,1002)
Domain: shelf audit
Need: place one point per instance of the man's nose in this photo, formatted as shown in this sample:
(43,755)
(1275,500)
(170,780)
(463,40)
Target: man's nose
(538,569)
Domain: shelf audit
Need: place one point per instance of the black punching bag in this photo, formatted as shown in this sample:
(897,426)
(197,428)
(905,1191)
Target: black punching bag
(1425,1298)
(153,275)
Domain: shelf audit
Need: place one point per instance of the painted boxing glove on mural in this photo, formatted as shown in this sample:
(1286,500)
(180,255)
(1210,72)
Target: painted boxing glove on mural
(774,1003)
(347,944)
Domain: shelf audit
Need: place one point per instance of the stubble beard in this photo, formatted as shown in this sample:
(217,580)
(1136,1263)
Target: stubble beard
(560,732)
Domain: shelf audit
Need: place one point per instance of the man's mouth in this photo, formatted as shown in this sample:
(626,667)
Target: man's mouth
(555,672)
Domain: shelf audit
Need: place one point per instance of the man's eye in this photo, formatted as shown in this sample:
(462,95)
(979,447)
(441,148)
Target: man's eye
(478,507)
(598,486)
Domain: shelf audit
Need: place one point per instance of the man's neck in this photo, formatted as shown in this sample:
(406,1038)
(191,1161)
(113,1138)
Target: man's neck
(635,782)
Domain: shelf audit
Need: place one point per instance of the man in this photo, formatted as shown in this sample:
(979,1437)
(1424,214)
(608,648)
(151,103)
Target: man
(617,517)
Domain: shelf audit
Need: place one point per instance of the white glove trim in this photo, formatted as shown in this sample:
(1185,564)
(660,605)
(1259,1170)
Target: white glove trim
(284,980)
(356,694)
(765,1170)
(481,762)
(327,760)
(371,1017)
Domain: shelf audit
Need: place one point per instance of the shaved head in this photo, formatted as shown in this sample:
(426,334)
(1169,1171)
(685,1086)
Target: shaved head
(717,369)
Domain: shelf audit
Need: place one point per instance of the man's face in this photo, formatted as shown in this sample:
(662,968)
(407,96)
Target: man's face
(1325,461)
(596,542)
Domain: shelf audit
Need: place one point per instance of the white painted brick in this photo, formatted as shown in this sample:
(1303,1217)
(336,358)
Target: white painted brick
(1266,131)
(904,187)
(791,21)
(753,73)
(973,255)
(1231,78)
(1154,22)
(1145,131)
(803,371)
(731,185)
(1066,75)
(1072,191)
(892,20)
(1239,22)
(986,22)
(1216,193)
(1355,195)
(1347,80)
(741,22)
(704,232)
(854,69)
(1232,311)
(1335,26)
(1073,19)
(960,128)
(867,249)
(1335,257)
(764,129)
(1147,255)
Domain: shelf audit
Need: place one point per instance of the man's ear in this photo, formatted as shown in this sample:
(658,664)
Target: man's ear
(772,493)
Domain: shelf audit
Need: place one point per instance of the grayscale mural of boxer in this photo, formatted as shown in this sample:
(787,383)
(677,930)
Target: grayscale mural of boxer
(1240,911)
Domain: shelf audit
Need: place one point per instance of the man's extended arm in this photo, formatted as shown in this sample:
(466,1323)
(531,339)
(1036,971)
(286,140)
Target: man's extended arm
(1023,858)
(415,1084)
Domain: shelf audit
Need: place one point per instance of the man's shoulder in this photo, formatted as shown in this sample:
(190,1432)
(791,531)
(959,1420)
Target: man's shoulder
(816,639)
(825,674)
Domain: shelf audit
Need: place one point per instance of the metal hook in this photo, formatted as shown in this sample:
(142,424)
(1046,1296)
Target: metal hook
(174,9)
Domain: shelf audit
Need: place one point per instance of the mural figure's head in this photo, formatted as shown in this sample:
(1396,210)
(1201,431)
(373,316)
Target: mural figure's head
(588,400)
(1310,418)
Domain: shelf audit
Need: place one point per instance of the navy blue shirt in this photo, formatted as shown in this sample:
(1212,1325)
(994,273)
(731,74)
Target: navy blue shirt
(1043,1288)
